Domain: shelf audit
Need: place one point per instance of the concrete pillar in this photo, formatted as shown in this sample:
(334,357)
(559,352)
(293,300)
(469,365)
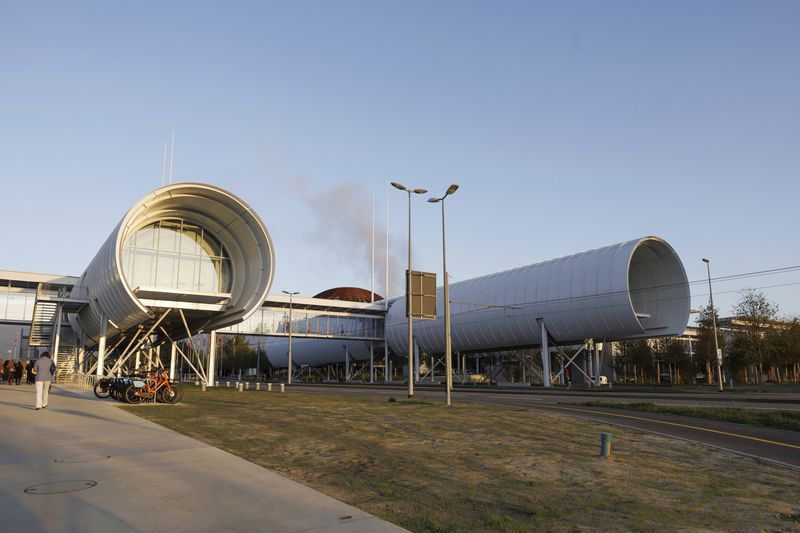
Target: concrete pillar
(346,363)
(386,373)
(101,345)
(172,358)
(371,363)
(212,358)
(82,354)
(596,350)
(56,334)
(545,353)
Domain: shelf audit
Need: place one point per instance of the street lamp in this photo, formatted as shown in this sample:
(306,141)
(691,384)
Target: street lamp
(408,290)
(714,321)
(447,346)
(290,333)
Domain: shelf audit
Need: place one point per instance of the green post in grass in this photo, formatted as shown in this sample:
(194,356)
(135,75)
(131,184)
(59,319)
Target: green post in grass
(605,445)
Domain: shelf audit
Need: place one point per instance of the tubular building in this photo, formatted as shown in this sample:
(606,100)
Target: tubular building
(192,259)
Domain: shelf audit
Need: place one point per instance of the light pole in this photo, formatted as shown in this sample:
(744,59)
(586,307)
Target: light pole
(408,290)
(291,294)
(714,321)
(447,347)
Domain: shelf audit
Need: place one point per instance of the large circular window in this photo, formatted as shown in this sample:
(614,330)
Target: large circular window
(177,255)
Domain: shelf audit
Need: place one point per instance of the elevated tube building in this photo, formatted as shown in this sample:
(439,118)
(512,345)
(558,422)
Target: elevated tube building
(186,258)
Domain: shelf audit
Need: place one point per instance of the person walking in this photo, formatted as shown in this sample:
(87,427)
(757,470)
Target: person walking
(44,376)
(8,371)
(29,372)
(18,369)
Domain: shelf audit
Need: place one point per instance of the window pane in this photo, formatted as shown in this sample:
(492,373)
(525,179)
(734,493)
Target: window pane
(167,271)
(144,269)
(190,241)
(208,275)
(187,276)
(168,236)
(146,237)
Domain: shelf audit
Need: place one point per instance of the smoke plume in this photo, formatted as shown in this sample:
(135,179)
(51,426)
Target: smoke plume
(343,224)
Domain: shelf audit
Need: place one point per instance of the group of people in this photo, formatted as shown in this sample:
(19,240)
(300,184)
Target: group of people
(13,372)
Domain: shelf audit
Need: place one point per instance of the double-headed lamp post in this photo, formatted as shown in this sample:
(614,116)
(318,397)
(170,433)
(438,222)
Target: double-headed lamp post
(291,294)
(714,321)
(408,290)
(447,346)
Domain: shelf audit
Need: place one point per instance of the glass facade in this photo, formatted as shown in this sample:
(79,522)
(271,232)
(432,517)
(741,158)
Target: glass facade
(174,254)
(275,321)
(17,303)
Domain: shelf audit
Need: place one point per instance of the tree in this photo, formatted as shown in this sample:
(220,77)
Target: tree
(756,314)
(704,357)
(680,366)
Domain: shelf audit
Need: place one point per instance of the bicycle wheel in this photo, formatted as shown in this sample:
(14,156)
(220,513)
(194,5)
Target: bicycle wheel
(131,396)
(171,396)
(102,389)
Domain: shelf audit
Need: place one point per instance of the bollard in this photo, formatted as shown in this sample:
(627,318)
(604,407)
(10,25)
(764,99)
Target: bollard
(227,384)
(203,387)
(247,385)
(605,445)
(269,387)
(196,383)
(240,387)
(281,387)
(258,386)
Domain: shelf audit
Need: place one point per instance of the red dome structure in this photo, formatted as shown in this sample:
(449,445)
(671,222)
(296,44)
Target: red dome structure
(349,294)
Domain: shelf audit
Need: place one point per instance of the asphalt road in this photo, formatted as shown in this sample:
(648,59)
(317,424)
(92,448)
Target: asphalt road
(776,446)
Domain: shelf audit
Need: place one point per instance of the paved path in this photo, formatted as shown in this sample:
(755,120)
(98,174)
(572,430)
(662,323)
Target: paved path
(89,466)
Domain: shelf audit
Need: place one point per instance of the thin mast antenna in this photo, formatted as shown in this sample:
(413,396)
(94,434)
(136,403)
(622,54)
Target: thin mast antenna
(164,165)
(171,156)
(386,288)
(372,263)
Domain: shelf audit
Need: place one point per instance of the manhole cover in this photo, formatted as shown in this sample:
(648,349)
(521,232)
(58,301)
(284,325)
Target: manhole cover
(83,459)
(60,487)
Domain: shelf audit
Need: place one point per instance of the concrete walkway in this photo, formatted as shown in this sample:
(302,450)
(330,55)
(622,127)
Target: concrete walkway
(84,465)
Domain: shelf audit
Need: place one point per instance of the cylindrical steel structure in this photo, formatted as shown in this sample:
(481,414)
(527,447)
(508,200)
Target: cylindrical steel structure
(629,290)
(217,218)
(312,352)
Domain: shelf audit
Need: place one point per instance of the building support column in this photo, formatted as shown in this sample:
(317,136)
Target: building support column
(82,354)
(212,358)
(386,373)
(596,352)
(56,334)
(101,344)
(545,353)
(346,363)
(371,363)
(172,358)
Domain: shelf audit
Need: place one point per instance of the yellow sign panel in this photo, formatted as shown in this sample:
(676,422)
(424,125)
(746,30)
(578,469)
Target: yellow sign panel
(423,294)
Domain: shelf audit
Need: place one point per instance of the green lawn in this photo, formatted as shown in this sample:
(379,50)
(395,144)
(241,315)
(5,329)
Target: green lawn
(486,468)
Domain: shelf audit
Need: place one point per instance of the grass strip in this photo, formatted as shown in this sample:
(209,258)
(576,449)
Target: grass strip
(773,419)
(475,467)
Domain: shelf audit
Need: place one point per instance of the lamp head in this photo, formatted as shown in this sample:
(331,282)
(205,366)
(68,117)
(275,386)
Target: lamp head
(420,191)
(434,200)
(450,190)
(706,260)
(398,186)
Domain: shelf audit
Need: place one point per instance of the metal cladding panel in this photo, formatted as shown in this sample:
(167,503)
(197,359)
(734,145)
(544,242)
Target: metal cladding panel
(230,219)
(315,352)
(595,294)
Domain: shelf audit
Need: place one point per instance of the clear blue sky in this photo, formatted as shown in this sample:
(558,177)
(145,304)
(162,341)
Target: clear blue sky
(568,125)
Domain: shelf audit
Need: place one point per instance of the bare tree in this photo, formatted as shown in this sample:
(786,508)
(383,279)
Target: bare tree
(756,314)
